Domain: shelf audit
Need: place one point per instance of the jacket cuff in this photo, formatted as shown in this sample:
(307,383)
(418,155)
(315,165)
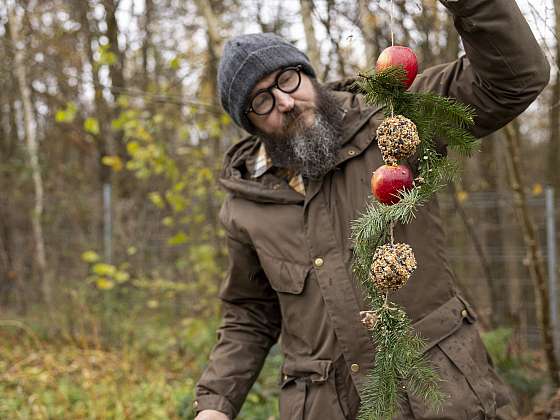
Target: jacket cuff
(214,402)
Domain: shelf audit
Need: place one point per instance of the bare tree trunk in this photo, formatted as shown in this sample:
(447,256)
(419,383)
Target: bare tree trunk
(215,46)
(11,283)
(100,109)
(368,23)
(485,266)
(33,154)
(536,265)
(426,24)
(493,239)
(337,51)
(452,37)
(147,43)
(116,143)
(310,38)
(116,70)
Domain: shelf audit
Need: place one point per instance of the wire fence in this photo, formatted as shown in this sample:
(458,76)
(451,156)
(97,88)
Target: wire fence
(496,276)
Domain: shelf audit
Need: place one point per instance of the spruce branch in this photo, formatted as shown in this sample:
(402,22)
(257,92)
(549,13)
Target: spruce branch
(400,364)
(444,109)
(384,88)
(458,139)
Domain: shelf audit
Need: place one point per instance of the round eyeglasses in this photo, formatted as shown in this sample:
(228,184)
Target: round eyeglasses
(287,81)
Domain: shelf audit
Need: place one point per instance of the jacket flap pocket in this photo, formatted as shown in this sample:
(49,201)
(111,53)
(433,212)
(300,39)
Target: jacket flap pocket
(444,321)
(315,370)
(284,276)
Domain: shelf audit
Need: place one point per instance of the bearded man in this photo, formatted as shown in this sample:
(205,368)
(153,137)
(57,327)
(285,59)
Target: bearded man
(296,183)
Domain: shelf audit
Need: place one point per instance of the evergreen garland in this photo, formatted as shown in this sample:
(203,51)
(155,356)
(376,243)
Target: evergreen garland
(399,359)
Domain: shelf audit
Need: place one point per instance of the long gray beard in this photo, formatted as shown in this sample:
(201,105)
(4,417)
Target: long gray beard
(311,150)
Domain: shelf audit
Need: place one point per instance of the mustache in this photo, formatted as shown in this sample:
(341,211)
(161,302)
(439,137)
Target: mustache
(291,117)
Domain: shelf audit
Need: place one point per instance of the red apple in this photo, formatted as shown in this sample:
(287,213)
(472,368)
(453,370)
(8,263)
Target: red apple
(399,56)
(388,180)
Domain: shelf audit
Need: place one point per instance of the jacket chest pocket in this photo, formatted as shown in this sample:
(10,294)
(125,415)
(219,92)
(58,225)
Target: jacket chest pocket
(285,277)
(290,280)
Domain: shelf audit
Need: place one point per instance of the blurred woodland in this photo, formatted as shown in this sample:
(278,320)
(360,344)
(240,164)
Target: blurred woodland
(111,143)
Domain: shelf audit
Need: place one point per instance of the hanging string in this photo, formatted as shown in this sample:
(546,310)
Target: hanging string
(392,44)
(392,18)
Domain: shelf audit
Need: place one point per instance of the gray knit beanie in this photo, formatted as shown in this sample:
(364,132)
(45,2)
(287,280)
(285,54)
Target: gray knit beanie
(246,59)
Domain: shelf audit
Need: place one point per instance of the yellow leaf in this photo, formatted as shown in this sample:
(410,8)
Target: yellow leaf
(104,284)
(122,276)
(60,116)
(68,114)
(105,56)
(537,189)
(155,198)
(132,147)
(462,196)
(91,125)
(152,304)
(90,257)
(114,162)
(177,239)
(102,269)
(175,63)
(131,250)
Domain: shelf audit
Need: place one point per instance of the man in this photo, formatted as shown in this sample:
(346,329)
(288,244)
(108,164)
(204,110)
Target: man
(294,187)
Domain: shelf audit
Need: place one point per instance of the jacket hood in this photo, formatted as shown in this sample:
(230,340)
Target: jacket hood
(267,188)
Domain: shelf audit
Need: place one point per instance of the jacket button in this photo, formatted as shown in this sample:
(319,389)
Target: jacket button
(195,404)
(464,313)
(354,367)
(318,262)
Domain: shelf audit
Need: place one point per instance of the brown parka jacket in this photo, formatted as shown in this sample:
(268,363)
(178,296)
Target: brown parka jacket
(290,256)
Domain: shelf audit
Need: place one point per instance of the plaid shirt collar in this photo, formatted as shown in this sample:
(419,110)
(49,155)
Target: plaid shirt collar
(260,163)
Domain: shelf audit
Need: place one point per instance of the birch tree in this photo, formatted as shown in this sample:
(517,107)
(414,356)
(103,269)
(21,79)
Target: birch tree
(32,150)
(310,38)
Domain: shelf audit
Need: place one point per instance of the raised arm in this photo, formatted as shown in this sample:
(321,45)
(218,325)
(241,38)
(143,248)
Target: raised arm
(504,68)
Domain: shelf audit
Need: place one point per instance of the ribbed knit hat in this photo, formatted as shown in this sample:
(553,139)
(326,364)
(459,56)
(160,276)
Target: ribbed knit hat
(246,59)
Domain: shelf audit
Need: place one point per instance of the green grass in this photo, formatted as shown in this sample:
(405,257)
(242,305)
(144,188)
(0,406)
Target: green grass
(151,377)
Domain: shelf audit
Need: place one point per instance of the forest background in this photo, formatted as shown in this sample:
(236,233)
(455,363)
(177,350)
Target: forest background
(111,143)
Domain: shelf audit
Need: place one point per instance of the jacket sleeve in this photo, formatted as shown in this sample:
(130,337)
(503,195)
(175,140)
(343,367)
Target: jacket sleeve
(250,326)
(504,68)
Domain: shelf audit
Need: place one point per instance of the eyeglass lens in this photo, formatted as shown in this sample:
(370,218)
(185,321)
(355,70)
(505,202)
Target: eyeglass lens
(288,81)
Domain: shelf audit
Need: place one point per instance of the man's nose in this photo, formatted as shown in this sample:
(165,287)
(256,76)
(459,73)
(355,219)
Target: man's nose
(284,101)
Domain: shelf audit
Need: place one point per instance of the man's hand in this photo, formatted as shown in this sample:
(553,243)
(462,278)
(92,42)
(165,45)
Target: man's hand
(211,415)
